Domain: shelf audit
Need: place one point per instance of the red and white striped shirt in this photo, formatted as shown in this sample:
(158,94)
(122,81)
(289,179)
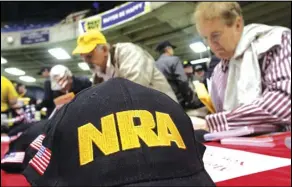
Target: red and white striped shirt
(273,107)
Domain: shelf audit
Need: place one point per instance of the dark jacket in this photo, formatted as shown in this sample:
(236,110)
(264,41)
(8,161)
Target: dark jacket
(213,63)
(78,84)
(48,100)
(173,70)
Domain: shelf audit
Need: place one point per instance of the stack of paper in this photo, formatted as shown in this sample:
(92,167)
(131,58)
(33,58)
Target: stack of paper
(242,131)
(249,141)
(223,164)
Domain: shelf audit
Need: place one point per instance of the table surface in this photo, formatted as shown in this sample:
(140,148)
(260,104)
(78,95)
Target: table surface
(276,177)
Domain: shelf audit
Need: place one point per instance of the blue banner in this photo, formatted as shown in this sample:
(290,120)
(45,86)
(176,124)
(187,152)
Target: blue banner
(22,27)
(122,14)
(34,37)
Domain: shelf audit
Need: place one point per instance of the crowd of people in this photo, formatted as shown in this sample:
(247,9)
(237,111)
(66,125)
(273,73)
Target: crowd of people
(248,80)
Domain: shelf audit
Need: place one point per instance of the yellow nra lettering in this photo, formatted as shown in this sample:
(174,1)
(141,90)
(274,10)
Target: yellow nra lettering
(108,142)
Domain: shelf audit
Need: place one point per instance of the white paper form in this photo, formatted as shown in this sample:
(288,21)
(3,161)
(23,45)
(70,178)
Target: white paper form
(223,164)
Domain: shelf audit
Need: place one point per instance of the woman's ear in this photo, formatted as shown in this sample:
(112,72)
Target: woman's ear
(239,23)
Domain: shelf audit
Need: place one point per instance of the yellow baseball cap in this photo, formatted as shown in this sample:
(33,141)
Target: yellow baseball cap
(88,41)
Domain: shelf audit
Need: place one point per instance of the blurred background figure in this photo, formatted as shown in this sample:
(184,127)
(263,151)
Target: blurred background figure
(208,74)
(45,72)
(189,71)
(9,95)
(12,113)
(46,103)
(199,72)
(63,81)
(213,63)
(172,68)
(25,95)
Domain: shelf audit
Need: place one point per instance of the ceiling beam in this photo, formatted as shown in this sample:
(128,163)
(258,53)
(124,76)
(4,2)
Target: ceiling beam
(275,16)
(160,37)
(161,29)
(140,27)
(266,9)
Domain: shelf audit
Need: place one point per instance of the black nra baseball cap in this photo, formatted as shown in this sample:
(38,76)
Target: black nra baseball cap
(119,133)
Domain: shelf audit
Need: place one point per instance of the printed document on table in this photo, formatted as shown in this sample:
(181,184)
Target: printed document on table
(223,164)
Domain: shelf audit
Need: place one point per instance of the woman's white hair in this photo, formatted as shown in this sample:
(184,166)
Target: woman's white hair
(228,11)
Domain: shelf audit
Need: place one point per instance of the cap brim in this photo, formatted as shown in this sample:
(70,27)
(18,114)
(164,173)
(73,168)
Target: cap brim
(173,46)
(81,49)
(199,179)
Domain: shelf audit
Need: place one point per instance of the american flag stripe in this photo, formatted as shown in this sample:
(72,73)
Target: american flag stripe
(41,160)
(14,157)
(274,107)
(37,143)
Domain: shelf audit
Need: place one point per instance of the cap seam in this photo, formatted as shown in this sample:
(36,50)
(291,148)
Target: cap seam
(53,137)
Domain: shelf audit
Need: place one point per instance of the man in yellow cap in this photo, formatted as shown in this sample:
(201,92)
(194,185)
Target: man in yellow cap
(125,60)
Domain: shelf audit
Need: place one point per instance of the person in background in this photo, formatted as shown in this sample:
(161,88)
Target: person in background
(252,83)
(189,71)
(173,70)
(63,81)
(213,63)
(47,102)
(125,60)
(9,95)
(45,72)
(25,94)
(10,113)
(199,72)
(208,74)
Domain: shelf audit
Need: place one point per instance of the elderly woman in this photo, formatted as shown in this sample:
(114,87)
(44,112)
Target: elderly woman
(252,83)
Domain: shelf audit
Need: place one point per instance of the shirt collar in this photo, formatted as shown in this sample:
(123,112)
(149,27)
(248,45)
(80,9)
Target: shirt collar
(109,71)
(224,65)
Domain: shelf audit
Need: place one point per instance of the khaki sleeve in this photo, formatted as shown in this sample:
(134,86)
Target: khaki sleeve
(135,64)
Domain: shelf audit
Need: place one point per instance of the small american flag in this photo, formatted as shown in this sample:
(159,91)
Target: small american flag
(41,160)
(37,143)
(14,157)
